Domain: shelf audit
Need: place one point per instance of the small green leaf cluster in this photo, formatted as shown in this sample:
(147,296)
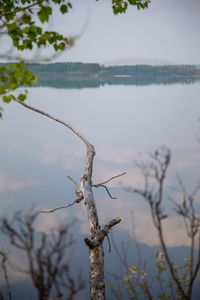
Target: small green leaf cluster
(120,6)
(58,41)
(19,22)
(12,77)
(136,282)
(139,283)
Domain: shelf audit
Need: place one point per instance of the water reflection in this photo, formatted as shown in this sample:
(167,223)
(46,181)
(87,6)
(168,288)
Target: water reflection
(81,75)
(36,156)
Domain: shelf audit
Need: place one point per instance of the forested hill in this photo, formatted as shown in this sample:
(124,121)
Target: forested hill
(81,75)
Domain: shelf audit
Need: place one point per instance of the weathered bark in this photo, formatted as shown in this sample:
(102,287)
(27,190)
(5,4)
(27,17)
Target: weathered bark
(97,235)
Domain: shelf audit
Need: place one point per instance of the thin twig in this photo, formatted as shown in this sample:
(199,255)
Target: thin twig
(90,148)
(138,249)
(61,207)
(107,190)
(109,244)
(74,182)
(119,255)
(104,182)
(86,142)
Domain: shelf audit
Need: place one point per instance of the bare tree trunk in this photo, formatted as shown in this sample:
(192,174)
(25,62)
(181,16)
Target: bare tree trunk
(95,244)
(97,235)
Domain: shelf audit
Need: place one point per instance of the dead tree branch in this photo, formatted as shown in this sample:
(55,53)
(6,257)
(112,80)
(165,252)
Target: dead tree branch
(76,201)
(58,208)
(95,243)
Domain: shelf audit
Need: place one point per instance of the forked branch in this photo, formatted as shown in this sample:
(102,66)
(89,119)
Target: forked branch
(102,184)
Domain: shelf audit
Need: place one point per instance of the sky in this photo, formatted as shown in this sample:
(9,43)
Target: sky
(166,32)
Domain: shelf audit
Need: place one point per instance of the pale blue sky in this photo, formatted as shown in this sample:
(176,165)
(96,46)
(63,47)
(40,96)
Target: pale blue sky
(168,30)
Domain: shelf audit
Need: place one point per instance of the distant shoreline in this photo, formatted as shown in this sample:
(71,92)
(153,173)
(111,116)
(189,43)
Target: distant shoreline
(77,75)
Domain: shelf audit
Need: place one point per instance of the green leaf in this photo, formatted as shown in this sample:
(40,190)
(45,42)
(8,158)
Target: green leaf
(22,97)
(12,27)
(21,65)
(61,46)
(8,98)
(4,78)
(26,18)
(9,17)
(64,8)
(2,90)
(29,77)
(44,14)
(132,2)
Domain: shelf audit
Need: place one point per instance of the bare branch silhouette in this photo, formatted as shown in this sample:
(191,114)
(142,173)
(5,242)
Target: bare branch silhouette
(46,257)
(4,255)
(156,171)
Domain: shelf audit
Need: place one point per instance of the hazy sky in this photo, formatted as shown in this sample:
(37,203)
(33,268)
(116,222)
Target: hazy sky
(168,30)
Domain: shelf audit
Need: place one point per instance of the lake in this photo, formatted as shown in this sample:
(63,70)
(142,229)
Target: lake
(124,123)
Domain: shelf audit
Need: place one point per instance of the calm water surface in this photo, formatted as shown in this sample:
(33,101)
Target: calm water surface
(122,122)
